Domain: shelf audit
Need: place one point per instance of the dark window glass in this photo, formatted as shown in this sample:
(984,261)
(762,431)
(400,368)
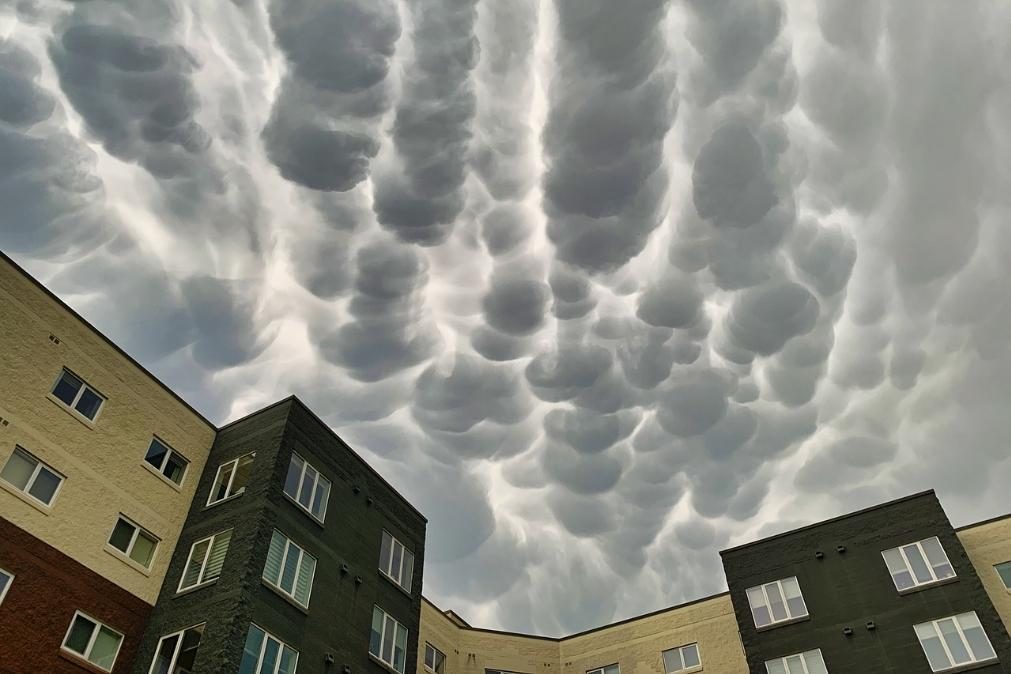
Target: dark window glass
(67,388)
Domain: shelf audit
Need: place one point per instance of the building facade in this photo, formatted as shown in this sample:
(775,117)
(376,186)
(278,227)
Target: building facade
(136,536)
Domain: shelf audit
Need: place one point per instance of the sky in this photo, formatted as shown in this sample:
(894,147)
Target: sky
(601,287)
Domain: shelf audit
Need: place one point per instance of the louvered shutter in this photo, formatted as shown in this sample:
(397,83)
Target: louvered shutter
(219,548)
(303,585)
(275,555)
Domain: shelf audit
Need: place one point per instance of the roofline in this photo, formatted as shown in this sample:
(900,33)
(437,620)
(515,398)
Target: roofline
(624,621)
(855,513)
(983,522)
(66,307)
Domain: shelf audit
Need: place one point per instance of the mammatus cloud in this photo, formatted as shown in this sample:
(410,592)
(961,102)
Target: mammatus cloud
(601,287)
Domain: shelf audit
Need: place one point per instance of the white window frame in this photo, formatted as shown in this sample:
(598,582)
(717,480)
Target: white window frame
(160,470)
(926,560)
(263,647)
(85,386)
(388,573)
(39,465)
(961,635)
(803,661)
(203,565)
(178,648)
(680,650)
(382,639)
(231,480)
(91,642)
(605,668)
(7,587)
(133,540)
(786,605)
(434,670)
(1000,578)
(302,554)
(315,485)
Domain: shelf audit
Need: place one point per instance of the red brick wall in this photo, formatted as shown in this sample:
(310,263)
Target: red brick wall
(48,588)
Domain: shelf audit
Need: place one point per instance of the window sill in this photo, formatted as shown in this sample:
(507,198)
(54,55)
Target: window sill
(33,502)
(690,670)
(280,593)
(397,585)
(194,588)
(783,623)
(385,665)
(136,566)
(157,473)
(74,413)
(76,659)
(304,510)
(968,667)
(224,500)
(927,586)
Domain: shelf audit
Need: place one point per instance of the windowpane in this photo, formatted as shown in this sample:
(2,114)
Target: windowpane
(216,560)
(917,564)
(794,600)
(175,468)
(1004,570)
(974,634)
(776,667)
(429,656)
(80,634)
(289,659)
(959,653)
(386,552)
(143,549)
(303,584)
(389,633)
(815,663)
(220,488)
(19,469)
(795,664)
(897,567)
(45,485)
(400,648)
(690,654)
(758,608)
(672,661)
(105,648)
(287,581)
(937,559)
(156,454)
(408,571)
(121,535)
(398,551)
(67,387)
(322,496)
(932,647)
(188,650)
(251,650)
(191,576)
(242,474)
(776,604)
(376,637)
(275,556)
(88,404)
(5,582)
(163,657)
(292,479)
(270,653)
(308,480)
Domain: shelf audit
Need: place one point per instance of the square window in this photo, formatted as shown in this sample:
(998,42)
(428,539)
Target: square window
(918,564)
(264,653)
(435,660)
(177,653)
(307,487)
(133,541)
(388,640)
(681,658)
(76,395)
(289,569)
(953,642)
(205,561)
(91,640)
(809,662)
(776,602)
(231,479)
(29,475)
(166,461)
(396,562)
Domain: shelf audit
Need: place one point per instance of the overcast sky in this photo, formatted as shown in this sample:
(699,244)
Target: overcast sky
(602,287)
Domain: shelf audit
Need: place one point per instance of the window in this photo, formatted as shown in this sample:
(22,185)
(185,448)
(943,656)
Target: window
(307,487)
(1004,571)
(206,558)
(435,660)
(6,579)
(177,653)
(78,396)
(289,568)
(610,669)
(809,662)
(93,641)
(166,461)
(918,564)
(134,542)
(388,640)
(955,641)
(265,654)
(29,475)
(681,658)
(396,561)
(231,479)
(776,602)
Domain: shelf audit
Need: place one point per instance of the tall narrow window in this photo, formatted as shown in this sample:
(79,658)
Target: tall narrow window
(396,562)
(388,640)
(264,653)
(289,569)
(177,653)
(681,659)
(78,396)
(435,660)
(307,487)
(610,669)
(89,639)
(231,479)
(6,579)
(205,560)
(955,641)
(1004,571)
(777,602)
(166,461)
(809,662)
(32,477)
(916,564)
(134,542)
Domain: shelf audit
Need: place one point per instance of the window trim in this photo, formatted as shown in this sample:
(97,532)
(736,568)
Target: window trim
(125,556)
(7,587)
(930,567)
(382,639)
(263,648)
(203,565)
(298,568)
(965,642)
(175,653)
(679,649)
(160,470)
(1000,578)
(765,594)
(231,480)
(803,662)
(428,644)
(91,642)
(39,465)
(315,486)
(604,668)
(77,397)
(385,573)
